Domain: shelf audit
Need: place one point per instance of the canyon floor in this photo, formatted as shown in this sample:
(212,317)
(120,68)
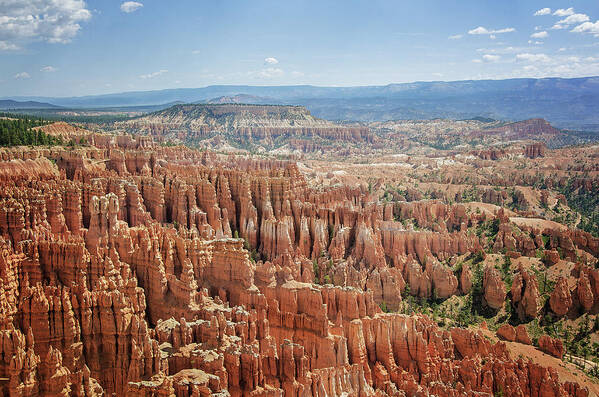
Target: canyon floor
(257,251)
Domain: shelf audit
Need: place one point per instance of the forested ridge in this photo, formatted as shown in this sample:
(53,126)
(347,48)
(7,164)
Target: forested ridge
(18,130)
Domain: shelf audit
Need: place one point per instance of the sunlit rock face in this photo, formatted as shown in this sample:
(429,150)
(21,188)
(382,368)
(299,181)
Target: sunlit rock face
(136,269)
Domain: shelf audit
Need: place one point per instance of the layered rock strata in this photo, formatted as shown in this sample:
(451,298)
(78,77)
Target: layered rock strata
(170,271)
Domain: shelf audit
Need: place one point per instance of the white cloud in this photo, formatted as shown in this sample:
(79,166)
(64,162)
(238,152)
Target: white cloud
(564,12)
(130,6)
(22,76)
(437,74)
(543,11)
(5,46)
(483,30)
(532,57)
(479,30)
(588,27)
(196,52)
(271,60)
(573,19)
(477,61)
(562,49)
(270,73)
(502,50)
(561,66)
(48,69)
(153,74)
(455,37)
(295,73)
(539,35)
(558,26)
(505,30)
(52,21)
(491,58)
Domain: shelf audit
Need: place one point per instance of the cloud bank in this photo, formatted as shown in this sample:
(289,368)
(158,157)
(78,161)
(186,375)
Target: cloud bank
(52,21)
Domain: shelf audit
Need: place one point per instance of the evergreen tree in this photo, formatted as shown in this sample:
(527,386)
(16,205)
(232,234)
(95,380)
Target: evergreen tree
(19,130)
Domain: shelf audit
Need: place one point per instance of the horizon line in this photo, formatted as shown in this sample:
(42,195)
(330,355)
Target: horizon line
(11,97)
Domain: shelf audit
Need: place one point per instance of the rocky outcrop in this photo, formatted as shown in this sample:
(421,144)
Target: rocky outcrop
(511,334)
(560,300)
(551,346)
(526,129)
(551,257)
(466,279)
(535,150)
(522,335)
(507,332)
(445,283)
(584,292)
(525,295)
(493,288)
(490,154)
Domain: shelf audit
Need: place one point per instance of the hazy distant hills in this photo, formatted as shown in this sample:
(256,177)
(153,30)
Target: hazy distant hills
(241,98)
(566,103)
(8,104)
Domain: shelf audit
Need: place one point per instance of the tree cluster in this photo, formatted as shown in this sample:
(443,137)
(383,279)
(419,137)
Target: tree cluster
(19,131)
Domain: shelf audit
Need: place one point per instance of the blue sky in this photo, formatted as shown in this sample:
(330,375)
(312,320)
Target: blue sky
(76,47)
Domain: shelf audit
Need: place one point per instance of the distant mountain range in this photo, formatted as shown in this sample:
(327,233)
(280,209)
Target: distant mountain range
(242,98)
(566,103)
(9,104)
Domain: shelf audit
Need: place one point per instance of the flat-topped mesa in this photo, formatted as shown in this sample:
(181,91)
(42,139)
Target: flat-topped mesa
(537,129)
(254,122)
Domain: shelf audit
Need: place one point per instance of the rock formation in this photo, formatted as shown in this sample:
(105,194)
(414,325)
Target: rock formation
(525,294)
(551,346)
(561,299)
(507,332)
(522,335)
(535,150)
(255,123)
(494,288)
(145,270)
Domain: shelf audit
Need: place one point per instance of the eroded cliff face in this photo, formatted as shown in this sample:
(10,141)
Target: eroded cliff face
(268,125)
(140,270)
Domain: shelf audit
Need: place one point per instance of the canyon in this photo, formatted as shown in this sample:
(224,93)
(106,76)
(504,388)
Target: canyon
(360,260)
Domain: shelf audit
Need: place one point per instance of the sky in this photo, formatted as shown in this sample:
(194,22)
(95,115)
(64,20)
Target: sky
(77,47)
